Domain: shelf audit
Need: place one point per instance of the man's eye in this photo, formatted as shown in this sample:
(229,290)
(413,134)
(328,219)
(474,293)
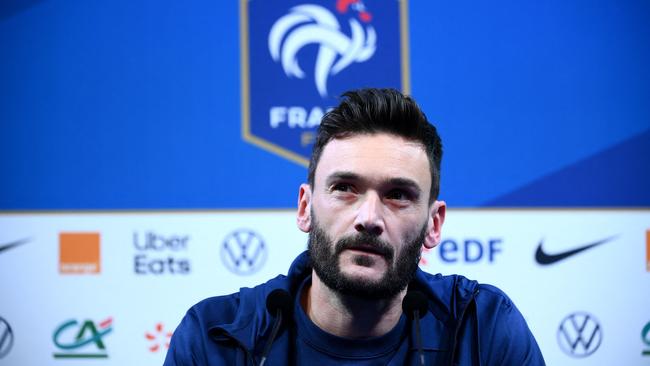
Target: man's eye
(398,194)
(342,187)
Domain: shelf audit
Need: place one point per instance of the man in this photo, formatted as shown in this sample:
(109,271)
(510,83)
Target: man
(369,207)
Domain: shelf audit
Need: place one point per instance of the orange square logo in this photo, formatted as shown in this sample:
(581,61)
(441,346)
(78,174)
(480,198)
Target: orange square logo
(79,253)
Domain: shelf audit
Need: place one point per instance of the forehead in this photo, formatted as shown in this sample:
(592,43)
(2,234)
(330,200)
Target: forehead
(375,156)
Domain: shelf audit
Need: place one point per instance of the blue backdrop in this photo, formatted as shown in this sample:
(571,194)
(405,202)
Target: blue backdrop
(136,105)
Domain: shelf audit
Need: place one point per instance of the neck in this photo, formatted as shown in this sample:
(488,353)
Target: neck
(349,316)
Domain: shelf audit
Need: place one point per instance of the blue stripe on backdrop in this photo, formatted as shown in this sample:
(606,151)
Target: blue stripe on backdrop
(522,89)
(619,174)
(125,105)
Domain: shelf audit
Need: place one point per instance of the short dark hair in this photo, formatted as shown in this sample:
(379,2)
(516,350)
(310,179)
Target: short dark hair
(370,111)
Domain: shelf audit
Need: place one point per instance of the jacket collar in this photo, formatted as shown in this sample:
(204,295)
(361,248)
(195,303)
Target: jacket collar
(252,322)
(448,297)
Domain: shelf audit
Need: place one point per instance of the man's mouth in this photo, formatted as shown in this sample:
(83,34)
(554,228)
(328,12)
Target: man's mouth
(370,249)
(365,244)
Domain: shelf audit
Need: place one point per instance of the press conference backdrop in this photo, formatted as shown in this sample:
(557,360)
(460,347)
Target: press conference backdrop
(152,151)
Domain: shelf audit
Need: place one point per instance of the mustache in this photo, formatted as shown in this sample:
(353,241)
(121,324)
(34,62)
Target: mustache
(365,242)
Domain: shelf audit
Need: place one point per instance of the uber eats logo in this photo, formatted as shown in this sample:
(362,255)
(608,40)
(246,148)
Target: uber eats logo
(158,254)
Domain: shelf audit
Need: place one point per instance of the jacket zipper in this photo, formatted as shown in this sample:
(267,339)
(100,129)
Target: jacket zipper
(249,356)
(458,324)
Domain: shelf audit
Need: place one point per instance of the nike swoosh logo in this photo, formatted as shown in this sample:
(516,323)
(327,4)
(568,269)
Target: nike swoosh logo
(16,243)
(545,259)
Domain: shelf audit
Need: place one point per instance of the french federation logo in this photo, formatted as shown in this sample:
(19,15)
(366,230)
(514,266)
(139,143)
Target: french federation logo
(313,24)
(299,56)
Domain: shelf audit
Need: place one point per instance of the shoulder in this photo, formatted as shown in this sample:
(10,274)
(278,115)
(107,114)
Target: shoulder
(486,313)
(498,316)
(458,291)
(454,291)
(219,318)
(238,306)
(216,309)
(492,296)
(501,326)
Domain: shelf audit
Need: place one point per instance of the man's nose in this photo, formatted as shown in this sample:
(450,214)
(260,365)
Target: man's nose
(370,217)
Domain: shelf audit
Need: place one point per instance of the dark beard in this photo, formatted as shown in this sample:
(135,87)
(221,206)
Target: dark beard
(325,262)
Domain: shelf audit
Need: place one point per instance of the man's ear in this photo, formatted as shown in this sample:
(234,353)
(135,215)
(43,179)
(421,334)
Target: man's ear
(303,218)
(436,219)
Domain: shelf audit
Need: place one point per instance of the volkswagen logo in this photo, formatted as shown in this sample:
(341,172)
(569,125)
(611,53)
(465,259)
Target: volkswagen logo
(579,334)
(243,252)
(6,338)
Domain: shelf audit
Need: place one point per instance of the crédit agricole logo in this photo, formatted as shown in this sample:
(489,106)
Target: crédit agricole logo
(82,339)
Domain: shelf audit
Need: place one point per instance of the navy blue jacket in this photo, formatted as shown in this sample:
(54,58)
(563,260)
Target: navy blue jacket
(467,324)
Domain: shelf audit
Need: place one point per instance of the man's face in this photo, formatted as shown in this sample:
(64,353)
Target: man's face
(368,213)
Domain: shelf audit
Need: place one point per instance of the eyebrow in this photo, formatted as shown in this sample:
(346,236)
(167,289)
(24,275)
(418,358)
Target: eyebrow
(336,176)
(398,181)
(406,183)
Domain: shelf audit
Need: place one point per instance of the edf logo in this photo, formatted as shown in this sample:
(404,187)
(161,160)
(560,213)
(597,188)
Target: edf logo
(470,250)
(298,57)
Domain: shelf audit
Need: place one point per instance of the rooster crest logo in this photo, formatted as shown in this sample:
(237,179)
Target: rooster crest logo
(313,24)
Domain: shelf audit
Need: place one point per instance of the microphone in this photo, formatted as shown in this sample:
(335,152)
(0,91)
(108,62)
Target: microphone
(414,306)
(279,304)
